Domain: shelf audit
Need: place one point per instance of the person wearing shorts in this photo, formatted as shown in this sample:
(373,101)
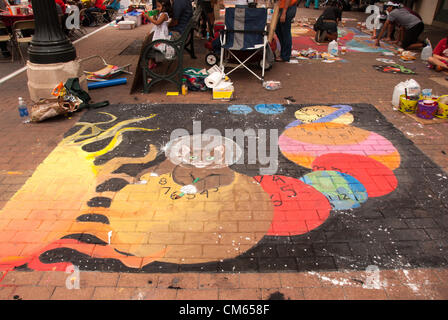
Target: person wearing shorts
(439,59)
(411,26)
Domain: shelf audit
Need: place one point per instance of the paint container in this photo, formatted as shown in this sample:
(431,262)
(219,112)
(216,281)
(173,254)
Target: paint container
(442,110)
(426,109)
(343,50)
(407,105)
(426,93)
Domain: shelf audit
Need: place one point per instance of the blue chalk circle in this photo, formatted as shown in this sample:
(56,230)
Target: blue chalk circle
(239,109)
(269,108)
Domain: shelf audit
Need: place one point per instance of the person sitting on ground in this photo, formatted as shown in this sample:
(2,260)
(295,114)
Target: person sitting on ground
(326,26)
(439,59)
(182,13)
(411,26)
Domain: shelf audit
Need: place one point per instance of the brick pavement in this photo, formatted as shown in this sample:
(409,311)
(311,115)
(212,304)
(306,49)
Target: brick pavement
(354,82)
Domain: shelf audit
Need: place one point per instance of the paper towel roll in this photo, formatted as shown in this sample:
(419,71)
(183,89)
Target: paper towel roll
(213,79)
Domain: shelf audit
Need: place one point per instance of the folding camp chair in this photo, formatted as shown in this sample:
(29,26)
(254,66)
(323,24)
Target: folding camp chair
(107,72)
(244,35)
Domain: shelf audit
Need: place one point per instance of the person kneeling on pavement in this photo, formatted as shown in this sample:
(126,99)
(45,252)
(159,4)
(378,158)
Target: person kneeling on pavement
(411,26)
(326,26)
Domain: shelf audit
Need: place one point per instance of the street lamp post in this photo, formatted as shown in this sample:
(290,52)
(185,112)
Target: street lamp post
(49,43)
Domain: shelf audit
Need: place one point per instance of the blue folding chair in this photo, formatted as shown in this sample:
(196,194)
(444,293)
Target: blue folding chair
(245,30)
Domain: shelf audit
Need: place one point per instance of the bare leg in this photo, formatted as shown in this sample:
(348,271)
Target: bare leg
(436,62)
(414,46)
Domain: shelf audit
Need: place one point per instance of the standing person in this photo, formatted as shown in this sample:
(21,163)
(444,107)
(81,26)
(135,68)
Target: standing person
(160,29)
(207,17)
(411,26)
(182,13)
(439,59)
(316,4)
(287,12)
(326,26)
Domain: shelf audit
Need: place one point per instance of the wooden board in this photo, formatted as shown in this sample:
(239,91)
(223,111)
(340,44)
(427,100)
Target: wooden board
(434,120)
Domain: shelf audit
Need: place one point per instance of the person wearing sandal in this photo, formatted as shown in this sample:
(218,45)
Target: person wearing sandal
(288,9)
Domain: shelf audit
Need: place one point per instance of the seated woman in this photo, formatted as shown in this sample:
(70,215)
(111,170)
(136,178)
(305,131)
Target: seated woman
(439,59)
(326,26)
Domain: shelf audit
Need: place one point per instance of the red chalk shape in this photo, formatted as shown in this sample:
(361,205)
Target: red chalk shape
(298,207)
(378,179)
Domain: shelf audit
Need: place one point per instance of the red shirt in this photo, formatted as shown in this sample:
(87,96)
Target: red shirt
(99,4)
(61,4)
(442,48)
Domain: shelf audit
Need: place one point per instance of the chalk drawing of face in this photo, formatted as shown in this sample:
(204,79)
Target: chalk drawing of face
(203,151)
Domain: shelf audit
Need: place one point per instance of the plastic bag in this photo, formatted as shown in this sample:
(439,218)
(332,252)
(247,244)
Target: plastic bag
(412,87)
(272,85)
(49,108)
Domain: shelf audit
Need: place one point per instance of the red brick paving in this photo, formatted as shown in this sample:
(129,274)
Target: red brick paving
(25,146)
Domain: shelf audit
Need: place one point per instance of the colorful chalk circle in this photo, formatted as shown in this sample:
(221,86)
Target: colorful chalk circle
(377,179)
(269,109)
(343,191)
(239,109)
(320,114)
(304,143)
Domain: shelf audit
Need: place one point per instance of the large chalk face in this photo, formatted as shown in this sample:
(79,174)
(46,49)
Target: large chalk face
(203,151)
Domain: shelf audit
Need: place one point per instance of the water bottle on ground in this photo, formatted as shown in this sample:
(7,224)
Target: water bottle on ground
(23,111)
(333,48)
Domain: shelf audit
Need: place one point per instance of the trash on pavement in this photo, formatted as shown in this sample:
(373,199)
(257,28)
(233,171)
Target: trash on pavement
(272,85)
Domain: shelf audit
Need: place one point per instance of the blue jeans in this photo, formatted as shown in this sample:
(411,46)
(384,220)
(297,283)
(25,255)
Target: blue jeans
(283,32)
(316,3)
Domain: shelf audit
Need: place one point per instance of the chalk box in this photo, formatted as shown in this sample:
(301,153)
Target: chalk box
(126,25)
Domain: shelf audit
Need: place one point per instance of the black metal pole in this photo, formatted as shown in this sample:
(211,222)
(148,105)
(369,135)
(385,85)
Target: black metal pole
(49,43)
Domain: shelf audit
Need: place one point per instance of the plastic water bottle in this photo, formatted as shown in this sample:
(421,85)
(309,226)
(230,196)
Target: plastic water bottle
(426,53)
(23,111)
(333,48)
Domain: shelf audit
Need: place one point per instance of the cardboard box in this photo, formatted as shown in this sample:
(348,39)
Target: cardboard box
(223,93)
(126,25)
